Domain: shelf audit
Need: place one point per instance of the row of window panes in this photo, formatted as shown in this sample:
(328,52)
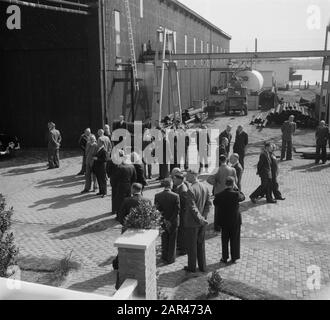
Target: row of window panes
(202,49)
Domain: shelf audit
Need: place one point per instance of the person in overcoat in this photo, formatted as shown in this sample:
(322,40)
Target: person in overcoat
(168,204)
(195,221)
(230,220)
(99,168)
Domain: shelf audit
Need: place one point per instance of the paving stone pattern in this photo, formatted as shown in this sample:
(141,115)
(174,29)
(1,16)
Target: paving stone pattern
(279,241)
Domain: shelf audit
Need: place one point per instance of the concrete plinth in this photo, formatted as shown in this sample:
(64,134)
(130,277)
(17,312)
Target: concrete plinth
(137,260)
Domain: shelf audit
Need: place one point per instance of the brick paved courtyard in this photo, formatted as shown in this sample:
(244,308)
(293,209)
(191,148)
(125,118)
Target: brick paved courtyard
(279,242)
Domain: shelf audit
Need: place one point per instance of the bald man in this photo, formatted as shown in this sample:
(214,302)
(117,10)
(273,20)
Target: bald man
(321,136)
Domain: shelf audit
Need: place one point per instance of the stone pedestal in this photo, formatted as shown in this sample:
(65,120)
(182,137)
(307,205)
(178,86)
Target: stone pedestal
(137,260)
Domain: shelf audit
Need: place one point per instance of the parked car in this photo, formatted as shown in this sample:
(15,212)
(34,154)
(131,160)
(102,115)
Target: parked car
(8,144)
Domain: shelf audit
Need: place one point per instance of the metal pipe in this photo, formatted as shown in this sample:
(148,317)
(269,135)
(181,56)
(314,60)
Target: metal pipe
(47,7)
(70,3)
(248,55)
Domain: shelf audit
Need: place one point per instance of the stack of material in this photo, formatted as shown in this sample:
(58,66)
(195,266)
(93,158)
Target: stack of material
(303,115)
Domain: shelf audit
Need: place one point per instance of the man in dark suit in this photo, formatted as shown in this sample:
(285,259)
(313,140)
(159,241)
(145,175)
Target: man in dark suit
(54,143)
(321,136)
(195,220)
(180,188)
(274,167)
(228,135)
(168,204)
(241,142)
(131,202)
(125,176)
(234,160)
(265,173)
(230,220)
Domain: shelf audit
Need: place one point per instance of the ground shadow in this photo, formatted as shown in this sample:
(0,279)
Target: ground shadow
(25,157)
(93,284)
(61,182)
(19,171)
(77,223)
(93,228)
(62,201)
(248,205)
(311,167)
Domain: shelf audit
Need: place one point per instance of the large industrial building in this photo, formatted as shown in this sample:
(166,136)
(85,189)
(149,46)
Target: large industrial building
(67,63)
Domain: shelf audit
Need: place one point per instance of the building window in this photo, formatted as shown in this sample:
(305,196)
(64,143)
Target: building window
(218,60)
(194,49)
(207,51)
(212,50)
(202,50)
(141,8)
(185,48)
(117,39)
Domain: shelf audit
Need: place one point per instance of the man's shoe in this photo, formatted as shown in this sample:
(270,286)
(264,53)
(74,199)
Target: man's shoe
(253,200)
(232,262)
(80,173)
(271,201)
(223,261)
(84,191)
(281,198)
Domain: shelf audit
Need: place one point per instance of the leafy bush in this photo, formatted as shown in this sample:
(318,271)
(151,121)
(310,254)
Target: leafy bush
(215,282)
(8,251)
(144,216)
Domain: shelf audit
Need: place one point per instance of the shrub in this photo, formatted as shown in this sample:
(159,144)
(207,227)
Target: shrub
(215,282)
(8,250)
(144,216)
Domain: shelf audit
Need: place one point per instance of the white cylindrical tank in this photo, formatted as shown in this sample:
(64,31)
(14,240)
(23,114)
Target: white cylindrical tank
(253,80)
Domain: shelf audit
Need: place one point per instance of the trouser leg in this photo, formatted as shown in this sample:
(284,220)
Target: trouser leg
(275,188)
(172,237)
(191,243)
(266,187)
(164,241)
(289,150)
(318,153)
(241,159)
(180,240)
(88,178)
(235,242)
(83,166)
(50,158)
(57,158)
(283,149)
(324,153)
(257,193)
(201,258)
(224,243)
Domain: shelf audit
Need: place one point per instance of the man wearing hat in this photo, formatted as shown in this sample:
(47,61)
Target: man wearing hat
(54,143)
(168,203)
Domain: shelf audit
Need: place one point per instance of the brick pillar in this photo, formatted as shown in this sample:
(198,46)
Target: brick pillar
(137,260)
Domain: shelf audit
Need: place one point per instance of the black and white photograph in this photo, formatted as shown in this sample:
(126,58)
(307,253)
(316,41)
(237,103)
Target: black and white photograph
(164,150)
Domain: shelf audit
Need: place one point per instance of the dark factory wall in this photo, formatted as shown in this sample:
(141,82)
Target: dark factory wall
(51,74)
(194,77)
